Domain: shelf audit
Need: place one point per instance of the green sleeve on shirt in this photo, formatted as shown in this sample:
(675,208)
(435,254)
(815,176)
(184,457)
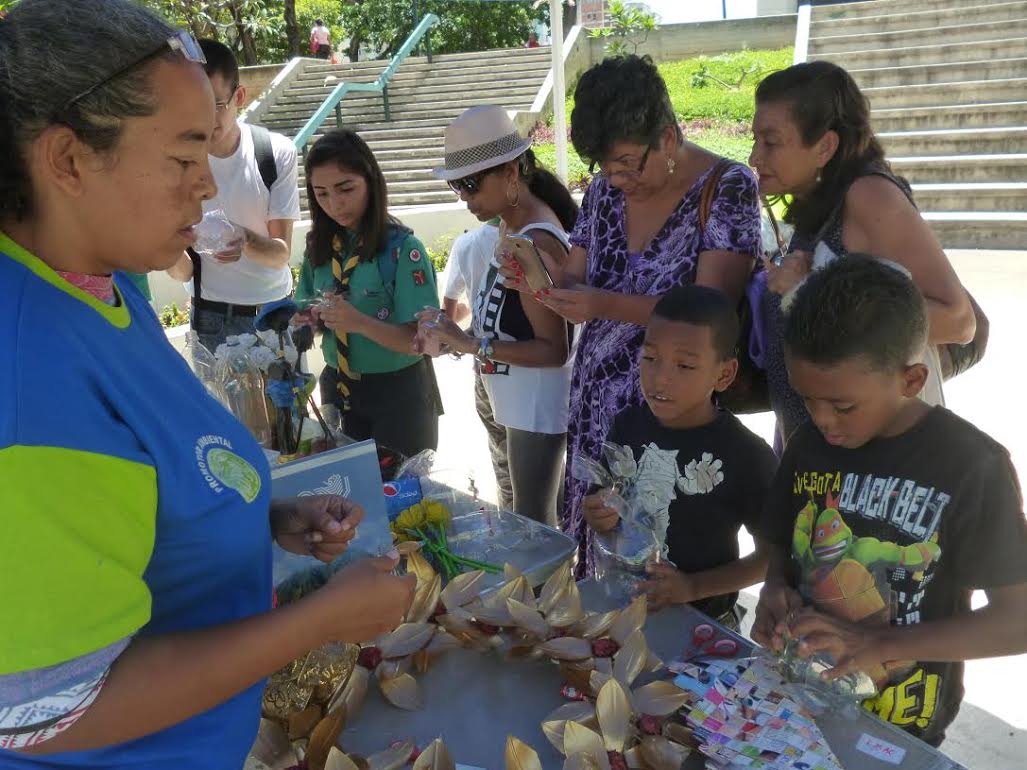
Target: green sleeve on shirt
(415,282)
(78,532)
(305,284)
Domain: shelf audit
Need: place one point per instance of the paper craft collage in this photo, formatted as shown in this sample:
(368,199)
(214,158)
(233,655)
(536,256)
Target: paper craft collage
(743,717)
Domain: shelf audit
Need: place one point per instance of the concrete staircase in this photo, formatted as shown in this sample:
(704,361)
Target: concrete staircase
(424,98)
(947,83)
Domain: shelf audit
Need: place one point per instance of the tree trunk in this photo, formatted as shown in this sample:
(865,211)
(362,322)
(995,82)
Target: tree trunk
(292,29)
(570,18)
(249,49)
(354,46)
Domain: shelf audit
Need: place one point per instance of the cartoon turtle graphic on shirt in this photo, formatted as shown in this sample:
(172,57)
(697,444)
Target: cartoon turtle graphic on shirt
(837,566)
(839,569)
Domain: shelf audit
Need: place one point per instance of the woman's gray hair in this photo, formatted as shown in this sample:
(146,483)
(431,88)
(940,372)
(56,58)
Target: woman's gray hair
(53,50)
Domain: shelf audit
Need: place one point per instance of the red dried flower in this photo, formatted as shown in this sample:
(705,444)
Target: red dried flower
(369,658)
(650,725)
(617,760)
(488,629)
(605,648)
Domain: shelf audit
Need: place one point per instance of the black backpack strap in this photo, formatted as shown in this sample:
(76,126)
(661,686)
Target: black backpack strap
(264,154)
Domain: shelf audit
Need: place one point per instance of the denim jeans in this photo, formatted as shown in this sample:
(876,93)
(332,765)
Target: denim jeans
(213,327)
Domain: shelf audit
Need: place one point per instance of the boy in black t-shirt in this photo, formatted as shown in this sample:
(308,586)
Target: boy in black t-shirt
(886,513)
(698,471)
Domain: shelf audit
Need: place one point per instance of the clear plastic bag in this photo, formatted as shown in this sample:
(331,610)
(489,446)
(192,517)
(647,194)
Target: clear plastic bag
(805,683)
(621,555)
(215,233)
(203,363)
(241,385)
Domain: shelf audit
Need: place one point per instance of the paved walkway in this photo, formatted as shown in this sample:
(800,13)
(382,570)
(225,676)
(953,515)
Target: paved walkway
(991,730)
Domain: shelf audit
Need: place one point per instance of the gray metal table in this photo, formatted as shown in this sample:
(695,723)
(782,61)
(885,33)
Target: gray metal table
(474,701)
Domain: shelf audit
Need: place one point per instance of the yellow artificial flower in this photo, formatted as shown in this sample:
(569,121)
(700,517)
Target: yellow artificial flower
(417,516)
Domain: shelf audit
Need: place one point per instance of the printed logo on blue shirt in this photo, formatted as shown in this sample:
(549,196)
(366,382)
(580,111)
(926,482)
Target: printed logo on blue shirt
(222,467)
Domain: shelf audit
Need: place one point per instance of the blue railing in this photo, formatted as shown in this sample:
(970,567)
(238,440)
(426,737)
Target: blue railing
(333,102)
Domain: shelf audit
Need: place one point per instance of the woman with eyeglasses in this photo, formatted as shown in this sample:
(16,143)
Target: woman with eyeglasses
(372,276)
(639,236)
(135,512)
(522,348)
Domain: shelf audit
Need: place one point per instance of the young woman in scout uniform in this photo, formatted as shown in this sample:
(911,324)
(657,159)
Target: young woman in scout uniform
(375,276)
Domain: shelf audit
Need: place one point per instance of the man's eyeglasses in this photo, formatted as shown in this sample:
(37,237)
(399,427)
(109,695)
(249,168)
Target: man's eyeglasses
(181,41)
(220,105)
(596,168)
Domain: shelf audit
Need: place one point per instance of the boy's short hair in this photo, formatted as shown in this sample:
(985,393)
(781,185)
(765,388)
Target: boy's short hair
(220,61)
(857,306)
(703,306)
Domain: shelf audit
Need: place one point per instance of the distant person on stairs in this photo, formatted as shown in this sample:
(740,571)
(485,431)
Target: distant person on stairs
(320,40)
(256,175)
(813,141)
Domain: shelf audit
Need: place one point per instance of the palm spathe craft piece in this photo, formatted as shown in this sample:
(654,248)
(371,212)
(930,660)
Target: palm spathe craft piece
(607,725)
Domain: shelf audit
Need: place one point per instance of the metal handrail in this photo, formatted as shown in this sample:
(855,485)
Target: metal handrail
(380,84)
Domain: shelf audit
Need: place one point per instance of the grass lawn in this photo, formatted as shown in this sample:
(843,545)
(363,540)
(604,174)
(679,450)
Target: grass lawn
(712,97)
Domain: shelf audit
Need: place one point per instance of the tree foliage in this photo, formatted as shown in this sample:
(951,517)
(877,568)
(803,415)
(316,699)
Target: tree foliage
(466,25)
(626,29)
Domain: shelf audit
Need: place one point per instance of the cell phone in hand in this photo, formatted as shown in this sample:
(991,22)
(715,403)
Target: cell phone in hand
(523,249)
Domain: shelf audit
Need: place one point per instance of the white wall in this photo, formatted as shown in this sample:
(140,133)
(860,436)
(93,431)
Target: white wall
(773,7)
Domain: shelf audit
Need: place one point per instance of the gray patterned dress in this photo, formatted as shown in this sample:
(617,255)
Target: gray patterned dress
(606,379)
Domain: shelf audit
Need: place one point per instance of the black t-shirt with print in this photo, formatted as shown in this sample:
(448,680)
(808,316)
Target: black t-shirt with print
(901,530)
(703,483)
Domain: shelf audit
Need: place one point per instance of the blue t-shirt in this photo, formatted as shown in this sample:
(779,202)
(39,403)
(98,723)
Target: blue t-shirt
(132,502)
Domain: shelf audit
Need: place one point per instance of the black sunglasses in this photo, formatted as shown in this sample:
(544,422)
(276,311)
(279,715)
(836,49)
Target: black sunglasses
(468,184)
(181,41)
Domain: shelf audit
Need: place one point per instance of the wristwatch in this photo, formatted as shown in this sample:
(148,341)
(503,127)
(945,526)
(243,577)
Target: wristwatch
(485,350)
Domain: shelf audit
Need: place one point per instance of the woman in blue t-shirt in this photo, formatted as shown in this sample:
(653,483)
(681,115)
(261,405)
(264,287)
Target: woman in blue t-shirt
(135,512)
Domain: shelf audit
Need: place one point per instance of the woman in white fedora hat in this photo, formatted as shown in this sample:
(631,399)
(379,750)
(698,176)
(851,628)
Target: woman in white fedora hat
(522,348)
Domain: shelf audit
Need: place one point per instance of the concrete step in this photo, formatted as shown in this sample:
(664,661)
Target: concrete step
(972,196)
(879,7)
(959,33)
(969,141)
(978,50)
(889,20)
(957,116)
(442,61)
(434,77)
(933,94)
(421,198)
(407,71)
(979,229)
(993,169)
(352,118)
(311,98)
(920,74)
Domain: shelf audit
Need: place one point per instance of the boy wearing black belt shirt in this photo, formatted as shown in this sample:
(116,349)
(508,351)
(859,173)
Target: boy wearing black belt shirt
(886,512)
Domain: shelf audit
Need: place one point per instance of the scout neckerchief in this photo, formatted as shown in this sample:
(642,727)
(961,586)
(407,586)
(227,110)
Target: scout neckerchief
(342,269)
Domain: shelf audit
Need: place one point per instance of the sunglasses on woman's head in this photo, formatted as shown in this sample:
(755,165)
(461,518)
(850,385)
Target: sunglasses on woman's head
(180,41)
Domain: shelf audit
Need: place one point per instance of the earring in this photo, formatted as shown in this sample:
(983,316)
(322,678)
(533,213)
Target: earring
(517,195)
(671,165)
(819,175)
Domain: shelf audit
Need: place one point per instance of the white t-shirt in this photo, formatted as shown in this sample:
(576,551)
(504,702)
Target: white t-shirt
(246,201)
(527,398)
(320,35)
(468,263)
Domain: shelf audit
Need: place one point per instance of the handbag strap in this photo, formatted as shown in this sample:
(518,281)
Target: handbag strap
(709,190)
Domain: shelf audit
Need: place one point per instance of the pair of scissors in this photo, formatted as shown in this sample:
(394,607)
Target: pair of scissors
(707,642)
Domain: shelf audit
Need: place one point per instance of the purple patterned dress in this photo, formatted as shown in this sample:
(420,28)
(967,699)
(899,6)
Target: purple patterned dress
(605,378)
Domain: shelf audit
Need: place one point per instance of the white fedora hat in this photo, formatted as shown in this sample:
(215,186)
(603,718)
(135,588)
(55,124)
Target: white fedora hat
(481,138)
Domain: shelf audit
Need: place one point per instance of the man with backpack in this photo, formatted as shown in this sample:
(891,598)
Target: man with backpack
(256,175)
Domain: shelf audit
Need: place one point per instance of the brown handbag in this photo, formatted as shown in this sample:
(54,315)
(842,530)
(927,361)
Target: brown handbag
(748,394)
